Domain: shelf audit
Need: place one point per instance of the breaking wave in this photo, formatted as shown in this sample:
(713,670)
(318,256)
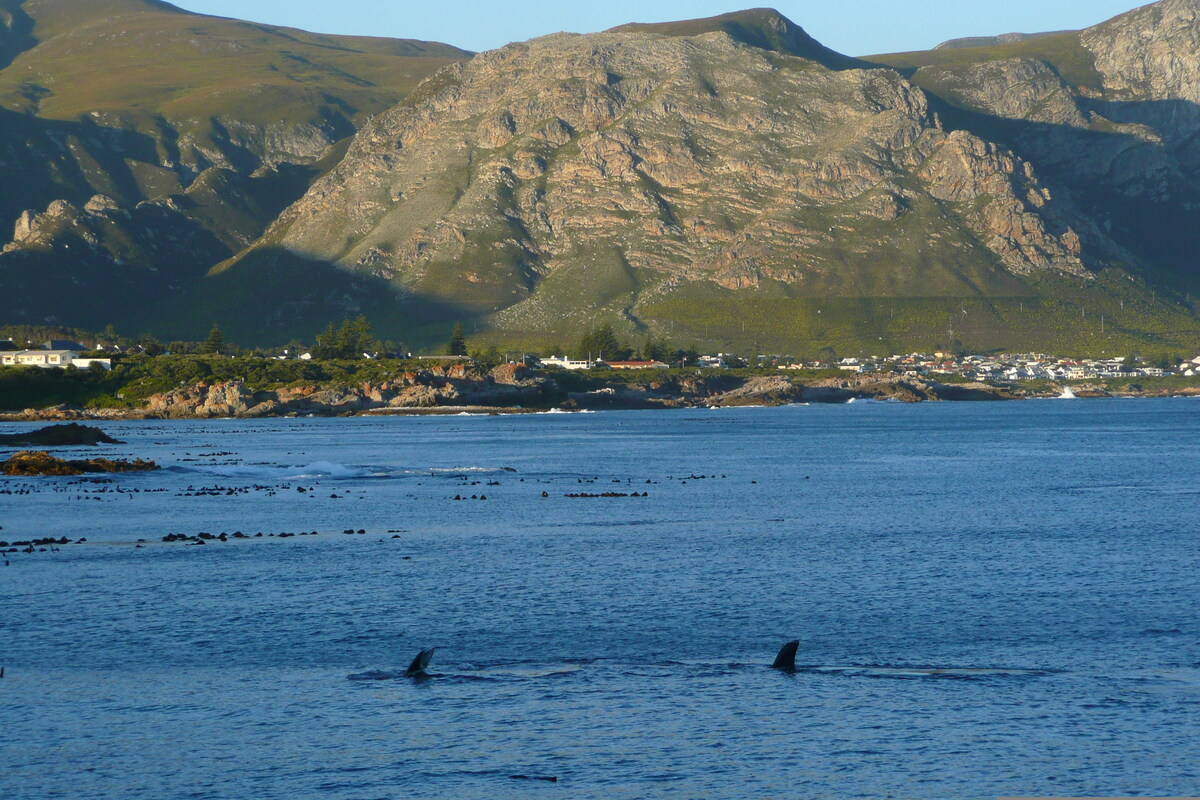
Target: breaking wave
(331,470)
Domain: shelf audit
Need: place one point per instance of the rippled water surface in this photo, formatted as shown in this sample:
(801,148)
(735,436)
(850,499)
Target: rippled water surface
(992,599)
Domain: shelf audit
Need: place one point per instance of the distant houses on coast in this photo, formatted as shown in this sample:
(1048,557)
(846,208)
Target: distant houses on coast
(1008,367)
(1004,368)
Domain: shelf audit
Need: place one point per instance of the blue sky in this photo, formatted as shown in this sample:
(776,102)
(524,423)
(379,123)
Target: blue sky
(856,27)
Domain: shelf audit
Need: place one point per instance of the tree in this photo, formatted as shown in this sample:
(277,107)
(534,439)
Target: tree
(491,357)
(655,350)
(326,345)
(355,339)
(601,343)
(215,343)
(352,339)
(151,346)
(458,342)
(1162,361)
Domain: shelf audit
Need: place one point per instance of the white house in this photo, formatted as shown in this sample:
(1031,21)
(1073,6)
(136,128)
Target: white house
(568,363)
(50,358)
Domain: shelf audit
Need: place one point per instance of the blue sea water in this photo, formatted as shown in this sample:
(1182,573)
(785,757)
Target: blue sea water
(992,599)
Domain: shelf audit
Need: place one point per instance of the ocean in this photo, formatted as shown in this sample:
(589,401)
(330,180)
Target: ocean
(992,599)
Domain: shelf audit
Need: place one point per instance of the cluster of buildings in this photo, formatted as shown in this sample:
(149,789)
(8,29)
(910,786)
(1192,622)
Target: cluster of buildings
(719,361)
(592,363)
(1009,367)
(1004,368)
(54,353)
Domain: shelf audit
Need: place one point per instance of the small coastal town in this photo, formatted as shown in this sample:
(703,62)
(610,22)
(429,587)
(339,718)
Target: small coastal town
(991,368)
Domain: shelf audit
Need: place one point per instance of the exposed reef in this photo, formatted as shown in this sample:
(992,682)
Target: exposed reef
(39,462)
(69,435)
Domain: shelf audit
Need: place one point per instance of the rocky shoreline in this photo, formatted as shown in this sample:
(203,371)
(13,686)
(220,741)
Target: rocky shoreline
(513,389)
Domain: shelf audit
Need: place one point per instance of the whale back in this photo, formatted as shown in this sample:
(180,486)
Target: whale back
(786,660)
(421,662)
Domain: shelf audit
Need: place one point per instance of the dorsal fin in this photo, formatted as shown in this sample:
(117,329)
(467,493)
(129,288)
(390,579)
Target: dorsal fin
(786,660)
(421,662)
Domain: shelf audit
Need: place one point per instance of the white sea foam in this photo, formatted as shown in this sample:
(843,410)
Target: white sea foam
(332,470)
(316,470)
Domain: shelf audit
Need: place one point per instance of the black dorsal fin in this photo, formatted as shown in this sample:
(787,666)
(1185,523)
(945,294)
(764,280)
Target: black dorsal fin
(421,662)
(786,660)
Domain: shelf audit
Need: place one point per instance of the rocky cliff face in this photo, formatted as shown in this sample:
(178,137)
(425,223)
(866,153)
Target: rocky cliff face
(1151,73)
(1109,115)
(616,167)
(1150,53)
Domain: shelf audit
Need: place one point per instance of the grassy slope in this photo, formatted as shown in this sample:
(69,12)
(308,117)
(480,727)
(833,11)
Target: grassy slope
(156,58)
(1064,52)
(142,75)
(758,27)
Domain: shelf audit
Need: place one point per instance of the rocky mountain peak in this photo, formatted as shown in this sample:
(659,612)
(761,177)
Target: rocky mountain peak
(764,28)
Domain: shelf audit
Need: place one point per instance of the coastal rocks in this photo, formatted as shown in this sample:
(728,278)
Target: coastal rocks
(65,411)
(458,385)
(39,462)
(510,374)
(415,397)
(769,390)
(58,436)
(203,400)
(897,388)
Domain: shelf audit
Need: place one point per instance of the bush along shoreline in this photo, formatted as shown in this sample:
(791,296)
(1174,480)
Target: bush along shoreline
(197,387)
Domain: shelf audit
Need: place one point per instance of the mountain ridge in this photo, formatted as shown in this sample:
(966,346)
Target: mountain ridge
(689,178)
(764,28)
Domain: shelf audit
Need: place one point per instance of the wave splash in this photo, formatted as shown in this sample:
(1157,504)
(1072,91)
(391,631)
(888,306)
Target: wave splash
(332,470)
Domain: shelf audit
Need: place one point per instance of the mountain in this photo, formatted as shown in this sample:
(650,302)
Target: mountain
(694,178)
(189,133)
(727,181)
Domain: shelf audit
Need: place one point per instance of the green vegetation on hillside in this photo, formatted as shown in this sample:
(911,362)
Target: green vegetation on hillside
(158,59)
(758,27)
(1073,62)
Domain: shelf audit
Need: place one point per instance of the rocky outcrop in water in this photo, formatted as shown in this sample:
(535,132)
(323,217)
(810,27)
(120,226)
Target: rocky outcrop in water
(34,462)
(71,434)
